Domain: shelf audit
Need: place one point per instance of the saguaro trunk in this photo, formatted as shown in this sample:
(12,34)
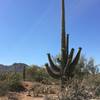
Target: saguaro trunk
(24,73)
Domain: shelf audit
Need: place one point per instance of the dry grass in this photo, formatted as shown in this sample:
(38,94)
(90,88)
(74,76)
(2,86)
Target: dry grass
(34,88)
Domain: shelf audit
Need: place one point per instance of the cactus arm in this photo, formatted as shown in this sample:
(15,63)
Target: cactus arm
(71,56)
(76,59)
(69,60)
(74,63)
(54,67)
(51,73)
(71,66)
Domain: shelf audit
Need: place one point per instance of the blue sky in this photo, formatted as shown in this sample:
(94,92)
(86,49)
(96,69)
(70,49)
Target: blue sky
(29,29)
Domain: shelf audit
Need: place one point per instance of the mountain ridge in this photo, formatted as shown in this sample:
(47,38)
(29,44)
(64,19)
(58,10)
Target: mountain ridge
(18,67)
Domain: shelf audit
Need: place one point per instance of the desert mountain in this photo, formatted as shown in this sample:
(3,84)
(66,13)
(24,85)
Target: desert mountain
(18,67)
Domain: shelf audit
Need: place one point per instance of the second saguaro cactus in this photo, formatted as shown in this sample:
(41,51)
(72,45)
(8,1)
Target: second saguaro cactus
(24,73)
(65,70)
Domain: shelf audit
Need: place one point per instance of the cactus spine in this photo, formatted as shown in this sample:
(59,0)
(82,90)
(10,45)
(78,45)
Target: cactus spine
(65,70)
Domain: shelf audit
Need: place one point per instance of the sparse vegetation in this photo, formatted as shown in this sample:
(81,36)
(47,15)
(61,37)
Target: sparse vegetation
(4,87)
(66,77)
(11,82)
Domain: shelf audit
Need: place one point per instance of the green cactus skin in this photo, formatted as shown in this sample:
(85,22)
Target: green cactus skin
(70,67)
(54,70)
(71,56)
(65,69)
(54,67)
(51,73)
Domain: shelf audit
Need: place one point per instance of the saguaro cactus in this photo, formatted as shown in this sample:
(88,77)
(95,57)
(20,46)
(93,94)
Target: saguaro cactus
(65,70)
(24,73)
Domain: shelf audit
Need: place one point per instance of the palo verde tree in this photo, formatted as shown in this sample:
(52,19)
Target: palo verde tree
(65,69)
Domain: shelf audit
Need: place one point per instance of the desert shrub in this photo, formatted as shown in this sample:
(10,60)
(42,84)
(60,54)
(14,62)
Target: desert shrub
(96,80)
(10,82)
(97,91)
(15,84)
(38,78)
(3,77)
(16,87)
(46,81)
(3,88)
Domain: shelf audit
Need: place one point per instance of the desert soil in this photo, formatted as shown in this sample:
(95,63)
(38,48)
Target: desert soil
(21,96)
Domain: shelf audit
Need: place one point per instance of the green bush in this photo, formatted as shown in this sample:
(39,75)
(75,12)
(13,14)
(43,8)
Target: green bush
(97,91)
(3,77)
(4,87)
(15,84)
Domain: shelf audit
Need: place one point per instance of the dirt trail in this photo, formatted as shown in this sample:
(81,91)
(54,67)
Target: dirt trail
(28,86)
(25,97)
(22,95)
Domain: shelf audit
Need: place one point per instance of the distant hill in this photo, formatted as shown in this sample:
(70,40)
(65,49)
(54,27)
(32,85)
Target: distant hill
(18,67)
